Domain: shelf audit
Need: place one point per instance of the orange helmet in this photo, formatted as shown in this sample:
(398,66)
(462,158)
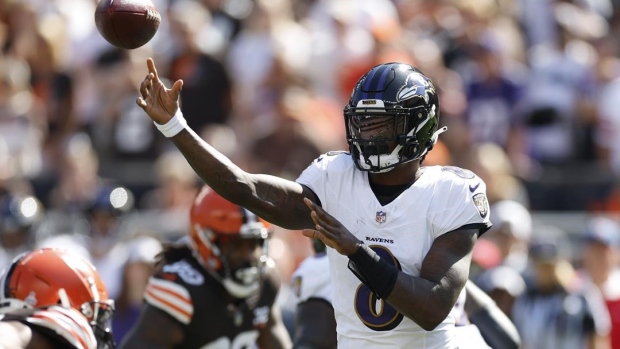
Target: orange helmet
(49,276)
(213,217)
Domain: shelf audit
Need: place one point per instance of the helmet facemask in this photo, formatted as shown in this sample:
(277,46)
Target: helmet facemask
(382,138)
(100,314)
(392,117)
(99,311)
(242,281)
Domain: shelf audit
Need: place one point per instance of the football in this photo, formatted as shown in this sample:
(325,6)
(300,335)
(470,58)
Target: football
(127,24)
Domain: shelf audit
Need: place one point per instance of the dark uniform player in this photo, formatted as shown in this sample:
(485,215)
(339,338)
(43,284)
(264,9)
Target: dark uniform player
(52,327)
(216,291)
(51,298)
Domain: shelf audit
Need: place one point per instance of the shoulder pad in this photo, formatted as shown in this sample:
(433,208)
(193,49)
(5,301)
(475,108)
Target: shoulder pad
(463,173)
(70,325)
(312,279)
(172,296)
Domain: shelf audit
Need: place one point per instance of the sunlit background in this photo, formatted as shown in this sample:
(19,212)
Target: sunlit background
(529,90)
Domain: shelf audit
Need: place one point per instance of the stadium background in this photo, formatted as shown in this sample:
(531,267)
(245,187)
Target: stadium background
(528,90)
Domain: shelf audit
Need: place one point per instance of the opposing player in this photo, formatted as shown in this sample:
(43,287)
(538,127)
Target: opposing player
(216,291)
(315,325)
(46,327)
(405,231)
(51,298)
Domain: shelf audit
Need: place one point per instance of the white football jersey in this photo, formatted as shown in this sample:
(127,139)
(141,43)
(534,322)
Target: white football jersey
(443,199)
(312,279)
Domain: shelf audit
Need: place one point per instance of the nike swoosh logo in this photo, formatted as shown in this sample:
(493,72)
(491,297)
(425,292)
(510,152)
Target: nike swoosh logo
(473,188)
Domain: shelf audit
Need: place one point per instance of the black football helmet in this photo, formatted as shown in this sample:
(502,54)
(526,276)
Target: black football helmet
(392,117)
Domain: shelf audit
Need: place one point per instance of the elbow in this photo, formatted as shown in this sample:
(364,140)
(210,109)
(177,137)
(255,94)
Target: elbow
(429,325)
(431,319)
(429,322)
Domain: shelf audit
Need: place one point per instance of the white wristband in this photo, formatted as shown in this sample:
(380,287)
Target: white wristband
(173,126)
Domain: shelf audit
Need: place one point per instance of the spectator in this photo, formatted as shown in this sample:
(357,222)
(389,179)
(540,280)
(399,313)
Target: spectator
(601,240)
(19,218)
(511,232)
(554,312)
(206,79)
(492,97)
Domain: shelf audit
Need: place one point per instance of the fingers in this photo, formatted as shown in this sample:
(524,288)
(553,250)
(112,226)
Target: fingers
(176,89)
(151,65)
(309,203)
(309,233)
(318,213)
(314,207)
(141,103)
(313,234)
(323,224)
(146,85)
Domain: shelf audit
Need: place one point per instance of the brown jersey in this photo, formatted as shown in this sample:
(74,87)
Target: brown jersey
(210,317)
(65,328)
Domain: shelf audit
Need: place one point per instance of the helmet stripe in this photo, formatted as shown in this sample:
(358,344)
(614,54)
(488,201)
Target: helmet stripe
(382,82)
(374,84)
(368,81)
(369,78)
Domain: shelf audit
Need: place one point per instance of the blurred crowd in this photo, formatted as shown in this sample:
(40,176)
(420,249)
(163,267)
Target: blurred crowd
(529,91)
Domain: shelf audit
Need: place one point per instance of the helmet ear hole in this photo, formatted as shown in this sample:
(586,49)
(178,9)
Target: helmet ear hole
(410,149)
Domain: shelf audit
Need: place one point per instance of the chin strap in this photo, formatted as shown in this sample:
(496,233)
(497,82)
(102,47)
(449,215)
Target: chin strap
(367,162)
(435,136)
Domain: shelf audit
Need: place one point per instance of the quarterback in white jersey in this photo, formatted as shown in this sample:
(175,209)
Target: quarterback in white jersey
(443,199)
(400,236)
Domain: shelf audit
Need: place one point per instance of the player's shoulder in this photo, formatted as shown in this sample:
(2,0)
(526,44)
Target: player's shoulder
(175,287)
(186,272)
(451,177)
(452,174)
(312,279)
(63,325)
(333,161)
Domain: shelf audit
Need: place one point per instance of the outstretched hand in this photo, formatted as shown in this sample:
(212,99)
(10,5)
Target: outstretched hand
(329,230)
(159,102)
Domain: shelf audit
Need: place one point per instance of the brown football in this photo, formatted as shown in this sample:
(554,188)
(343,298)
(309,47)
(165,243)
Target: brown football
(127,24)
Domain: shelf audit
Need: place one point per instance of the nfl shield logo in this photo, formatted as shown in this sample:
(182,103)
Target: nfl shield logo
(296,286)
(380,217)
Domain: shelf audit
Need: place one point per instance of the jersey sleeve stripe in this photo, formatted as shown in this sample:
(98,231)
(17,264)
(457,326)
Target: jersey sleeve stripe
(173,298)
(75,318)
(171,288)
(170,305)
(63,328)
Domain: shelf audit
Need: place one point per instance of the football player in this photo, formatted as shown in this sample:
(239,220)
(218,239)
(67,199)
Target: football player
(480,322)
(216,291)
(400,235)
(51,327)
(315,325)
(52,298)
